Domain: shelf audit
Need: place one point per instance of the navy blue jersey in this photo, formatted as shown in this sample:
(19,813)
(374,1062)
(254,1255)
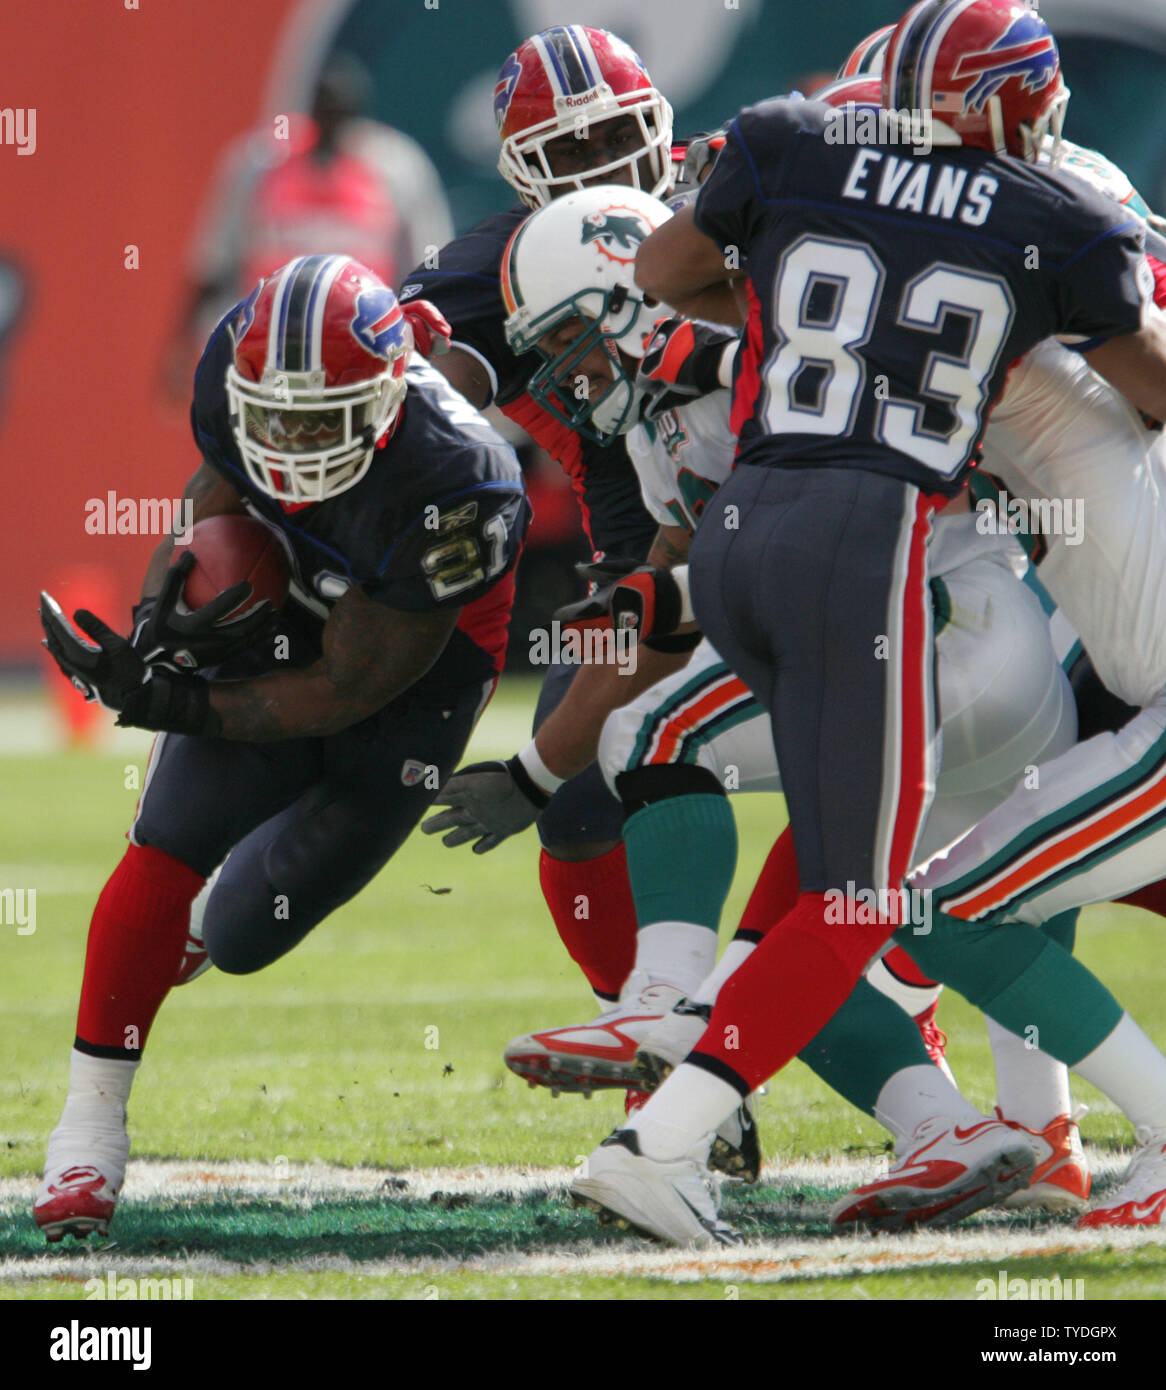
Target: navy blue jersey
(465,286)
(890,291)
(437,521)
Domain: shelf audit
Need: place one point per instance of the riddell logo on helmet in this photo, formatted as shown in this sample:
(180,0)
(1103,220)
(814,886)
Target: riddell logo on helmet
(585,100)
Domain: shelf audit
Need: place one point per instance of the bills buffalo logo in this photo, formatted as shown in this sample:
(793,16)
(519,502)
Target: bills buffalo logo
(379,325)
(504,88)
(1025,50)
(613,230)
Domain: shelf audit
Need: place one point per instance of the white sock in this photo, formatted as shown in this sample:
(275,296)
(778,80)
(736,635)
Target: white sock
(671,953)
(689,1106)
(912,999)
(736,954)
(100,1078)
(1031,1086)
(1132,1073)
(915,1094)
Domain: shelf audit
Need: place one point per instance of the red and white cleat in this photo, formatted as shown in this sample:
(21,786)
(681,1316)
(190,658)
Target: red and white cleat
(946,1172)
(595,1056)
(934,1039)
(75,1202)
(1141,1198)
(1062,1180)
(84,1169)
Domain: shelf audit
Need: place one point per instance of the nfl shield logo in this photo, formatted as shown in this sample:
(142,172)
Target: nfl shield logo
(412,772)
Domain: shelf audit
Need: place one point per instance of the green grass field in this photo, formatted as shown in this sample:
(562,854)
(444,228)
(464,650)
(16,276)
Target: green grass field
(341,1125)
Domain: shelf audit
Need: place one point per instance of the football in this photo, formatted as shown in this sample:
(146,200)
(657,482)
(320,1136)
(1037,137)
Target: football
(228,550)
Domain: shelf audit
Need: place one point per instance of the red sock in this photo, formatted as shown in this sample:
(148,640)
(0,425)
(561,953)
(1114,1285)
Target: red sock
(788,990)
(1152,897)
(900,964)
(776,892)
(591,902)
(136,940)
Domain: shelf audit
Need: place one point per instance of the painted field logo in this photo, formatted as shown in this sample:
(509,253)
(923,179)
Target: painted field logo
(1019,1289)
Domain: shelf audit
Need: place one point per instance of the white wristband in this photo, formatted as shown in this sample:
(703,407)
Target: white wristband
(728,357)
(680,576)
(537,770)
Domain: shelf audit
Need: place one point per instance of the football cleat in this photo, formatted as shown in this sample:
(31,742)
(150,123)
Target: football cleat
(594,1056)
(1141,1198)
(736,1150)
(671,1200)
(670,1042)
(946,1172)
(1061,1180)
(84,1170)
(934,1039)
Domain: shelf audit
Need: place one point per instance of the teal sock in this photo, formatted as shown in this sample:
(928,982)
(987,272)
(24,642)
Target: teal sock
(682,854)
(867,1041)
(1023,979)
(1063,928)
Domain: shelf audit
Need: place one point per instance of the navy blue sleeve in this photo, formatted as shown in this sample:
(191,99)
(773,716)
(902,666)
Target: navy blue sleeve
(464,284)
(1107,283)
(747,171)
(455,551)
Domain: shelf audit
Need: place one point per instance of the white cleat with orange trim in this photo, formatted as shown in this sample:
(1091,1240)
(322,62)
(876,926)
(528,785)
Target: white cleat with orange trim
(1141,1198)
(595,1056)
(1061,1180)
(945,1171)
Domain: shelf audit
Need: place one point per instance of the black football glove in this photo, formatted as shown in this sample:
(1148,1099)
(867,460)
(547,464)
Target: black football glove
(682,361)
(488,803)
(166,631)
(112,672)
(647,600)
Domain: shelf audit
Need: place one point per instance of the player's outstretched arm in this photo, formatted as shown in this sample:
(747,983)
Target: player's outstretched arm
(372,654)
(1136,364)
(680,266)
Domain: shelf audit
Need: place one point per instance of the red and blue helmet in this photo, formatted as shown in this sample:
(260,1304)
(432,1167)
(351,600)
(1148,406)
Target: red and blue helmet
(986,70)
(566,80)
(318,376)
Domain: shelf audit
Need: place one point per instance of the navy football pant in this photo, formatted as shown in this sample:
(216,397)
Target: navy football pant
(812,584)
(307,823)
